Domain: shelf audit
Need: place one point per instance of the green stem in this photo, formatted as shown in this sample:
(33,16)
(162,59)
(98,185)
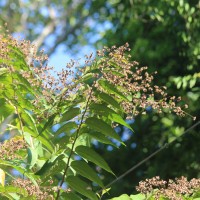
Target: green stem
(73,145)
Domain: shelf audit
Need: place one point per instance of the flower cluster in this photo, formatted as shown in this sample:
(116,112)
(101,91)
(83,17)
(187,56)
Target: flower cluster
(9,148)
(41,193)
(169,189)
(135,82)
(115,66)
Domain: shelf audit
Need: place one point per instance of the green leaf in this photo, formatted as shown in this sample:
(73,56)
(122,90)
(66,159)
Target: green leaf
(109,100)
(87,78)
(109,113)
(111,89)
(102,127)
(13,189)
(92,156)
(32,157)
(122,197)
(5,79)
(49,123)
(81,187)
(50,163)
(45,141)
(6,109)
(85,170)
(3,70)
(23,81)
(138,197)
(21,169)
(83,139)
(29,120)
(70,114)
(66,128)
(101,138)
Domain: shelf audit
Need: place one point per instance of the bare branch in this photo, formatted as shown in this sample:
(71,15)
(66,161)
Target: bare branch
(64,35)
(48,29)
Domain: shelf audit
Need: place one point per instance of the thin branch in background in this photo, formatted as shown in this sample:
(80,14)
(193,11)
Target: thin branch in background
(149,157)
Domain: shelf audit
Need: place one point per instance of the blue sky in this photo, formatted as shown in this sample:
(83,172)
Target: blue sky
(61,57)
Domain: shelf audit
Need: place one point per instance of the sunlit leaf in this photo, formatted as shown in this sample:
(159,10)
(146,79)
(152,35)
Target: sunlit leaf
(5,109)
(82,168)
(14,189)
(81,187)
(138,197)
(109,100)
(92,156)
(102,127)
(29,174)
(101,138)
(3,70)
(49,122)
(32,157)
(109,113)
(49,164)
(122,197)
(111,89)
(70,114)
(2,177)
(66,128)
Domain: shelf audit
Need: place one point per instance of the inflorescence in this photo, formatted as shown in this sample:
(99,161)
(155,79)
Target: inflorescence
(169,189)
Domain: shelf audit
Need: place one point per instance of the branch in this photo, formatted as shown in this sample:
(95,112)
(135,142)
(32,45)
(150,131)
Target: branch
(73,145)
(64,35)
(48,29)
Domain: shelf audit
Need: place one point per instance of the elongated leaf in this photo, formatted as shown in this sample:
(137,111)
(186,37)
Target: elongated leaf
(85,170)
(49,123)
(23,81)
(87,78)
(111,114)
(111,89)
(6,196)
(49,164)
(101,138)
(13,189)
(29,120)
(23,101)
(70,114)
(102,127)
(6,109)
(45,141)
(2,177)
(21,169)
(32,157)
(81,187)
(66,128)
(109,100)
(92,156)
(117,73)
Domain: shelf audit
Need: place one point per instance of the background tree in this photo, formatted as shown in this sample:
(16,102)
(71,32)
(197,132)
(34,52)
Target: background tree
(165,36)
(50,23)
